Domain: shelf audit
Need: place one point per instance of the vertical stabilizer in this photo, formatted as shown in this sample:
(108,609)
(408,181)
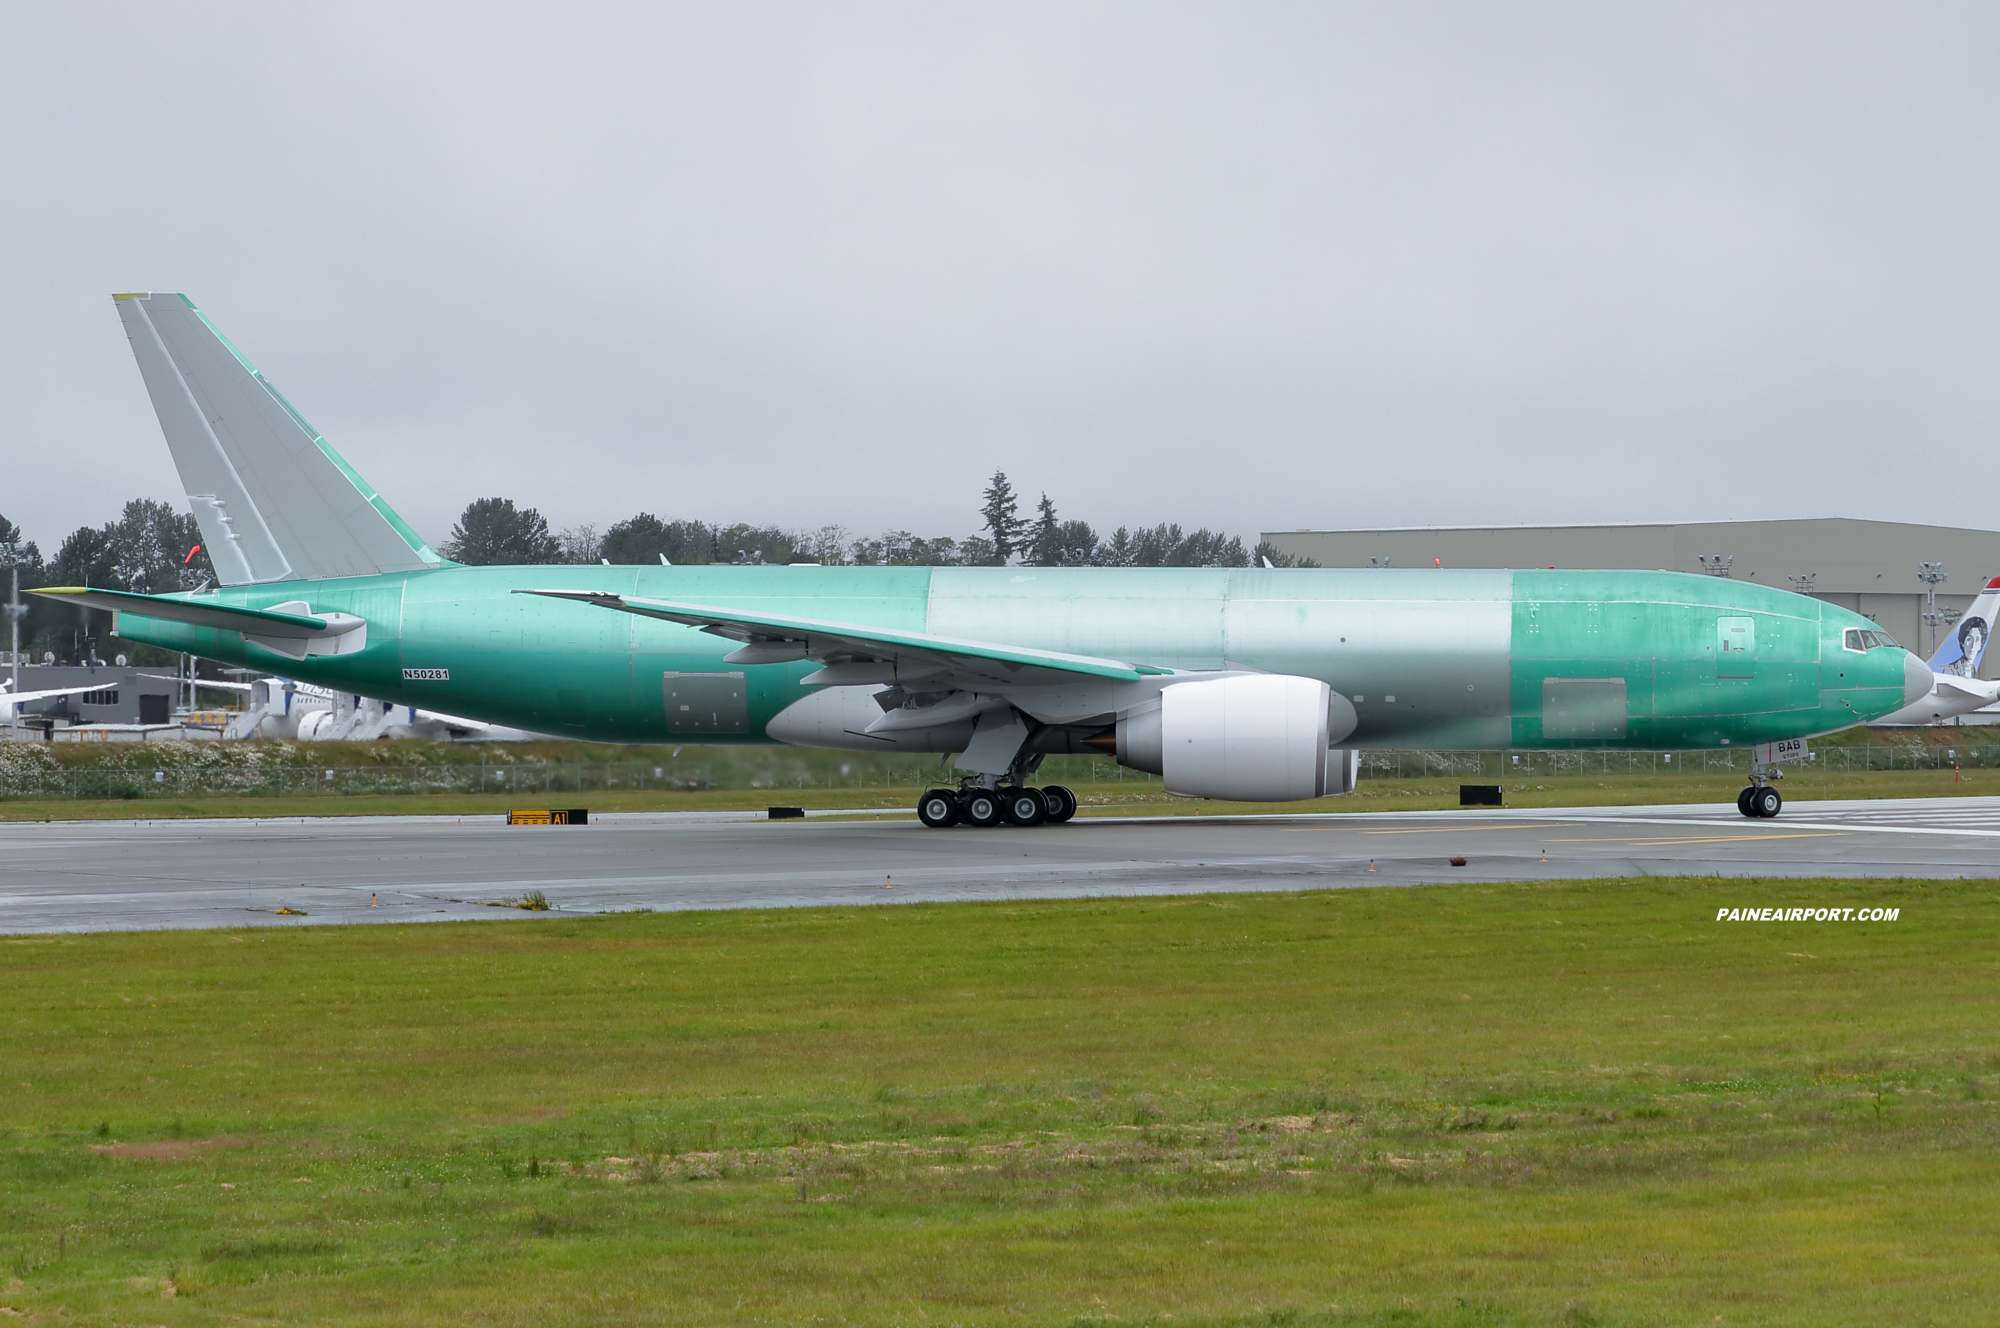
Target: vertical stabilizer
(1960,653)
(274,501)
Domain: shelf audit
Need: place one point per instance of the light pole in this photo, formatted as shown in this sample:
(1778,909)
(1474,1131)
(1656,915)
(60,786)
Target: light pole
(15,612)
(1716,564)
(1932,575)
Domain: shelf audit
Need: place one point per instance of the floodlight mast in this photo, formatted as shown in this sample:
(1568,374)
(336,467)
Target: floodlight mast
(1932,575)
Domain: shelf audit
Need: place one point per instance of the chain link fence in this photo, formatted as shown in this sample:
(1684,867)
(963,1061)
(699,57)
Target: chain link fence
(734,770)
(1499,765)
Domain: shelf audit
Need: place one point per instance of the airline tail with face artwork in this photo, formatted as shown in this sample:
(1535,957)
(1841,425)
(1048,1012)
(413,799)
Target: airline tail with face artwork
(1960,652)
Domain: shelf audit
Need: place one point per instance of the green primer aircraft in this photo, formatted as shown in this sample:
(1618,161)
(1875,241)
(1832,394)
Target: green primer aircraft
(1245,684)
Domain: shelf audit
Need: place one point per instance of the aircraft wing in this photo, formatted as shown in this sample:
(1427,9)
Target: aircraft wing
(942,661)
(291,628)
(12,701)
(210,683)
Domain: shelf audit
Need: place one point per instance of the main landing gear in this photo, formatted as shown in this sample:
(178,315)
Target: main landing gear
(1050,805)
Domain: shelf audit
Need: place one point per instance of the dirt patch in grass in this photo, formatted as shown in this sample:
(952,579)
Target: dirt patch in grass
(173,1150)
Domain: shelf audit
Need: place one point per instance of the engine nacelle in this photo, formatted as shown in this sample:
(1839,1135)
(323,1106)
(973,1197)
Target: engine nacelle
(1248,738)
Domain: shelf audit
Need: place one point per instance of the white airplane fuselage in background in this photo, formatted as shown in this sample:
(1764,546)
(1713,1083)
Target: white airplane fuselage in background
(1956,687)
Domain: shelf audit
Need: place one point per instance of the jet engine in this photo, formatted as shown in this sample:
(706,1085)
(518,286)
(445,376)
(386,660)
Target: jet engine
(1247,738)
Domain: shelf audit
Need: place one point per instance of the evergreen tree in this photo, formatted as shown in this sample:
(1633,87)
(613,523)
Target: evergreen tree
(1003,517)
(1041,551)
(492,532)
(1055,543)
(16,550)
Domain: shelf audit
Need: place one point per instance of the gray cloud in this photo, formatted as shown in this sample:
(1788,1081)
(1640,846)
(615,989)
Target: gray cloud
(1260,267)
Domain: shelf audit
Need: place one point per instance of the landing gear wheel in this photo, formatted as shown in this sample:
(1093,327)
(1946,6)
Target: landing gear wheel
(1743,800)
(1766,802)
(979,807)
(1062,803)
(1024,806)
(938,808)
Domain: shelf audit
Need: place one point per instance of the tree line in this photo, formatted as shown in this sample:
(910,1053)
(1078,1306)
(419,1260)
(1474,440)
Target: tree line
(154,549)
(494,531)
(151,548)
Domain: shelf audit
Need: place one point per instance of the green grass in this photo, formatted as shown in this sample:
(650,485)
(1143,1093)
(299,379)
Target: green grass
(1133,796)
(1550,1104)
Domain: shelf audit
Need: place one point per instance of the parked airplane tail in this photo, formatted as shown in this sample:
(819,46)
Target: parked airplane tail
(274,501)
(1960,653)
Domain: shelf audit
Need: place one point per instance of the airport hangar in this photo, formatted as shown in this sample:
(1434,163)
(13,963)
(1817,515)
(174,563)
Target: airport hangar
(1871,567)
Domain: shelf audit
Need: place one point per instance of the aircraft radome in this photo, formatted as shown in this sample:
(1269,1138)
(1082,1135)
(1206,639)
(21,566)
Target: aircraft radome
(1249,684)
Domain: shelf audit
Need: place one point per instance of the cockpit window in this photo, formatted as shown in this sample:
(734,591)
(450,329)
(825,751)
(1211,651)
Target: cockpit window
(1855,638)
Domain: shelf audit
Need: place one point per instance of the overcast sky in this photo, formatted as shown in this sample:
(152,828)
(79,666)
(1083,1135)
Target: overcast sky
(1250,266)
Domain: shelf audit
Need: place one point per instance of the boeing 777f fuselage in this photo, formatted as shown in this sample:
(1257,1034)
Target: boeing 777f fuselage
(1232,683)
(1425,657)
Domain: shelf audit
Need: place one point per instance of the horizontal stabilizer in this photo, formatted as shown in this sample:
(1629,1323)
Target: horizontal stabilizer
(274,501)
(960,663)
(289,629)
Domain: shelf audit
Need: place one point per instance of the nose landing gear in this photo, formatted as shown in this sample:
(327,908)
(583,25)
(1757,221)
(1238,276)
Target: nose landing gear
(1761,800)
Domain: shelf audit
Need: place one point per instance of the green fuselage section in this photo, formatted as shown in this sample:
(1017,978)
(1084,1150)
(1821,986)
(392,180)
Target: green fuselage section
(1429,657)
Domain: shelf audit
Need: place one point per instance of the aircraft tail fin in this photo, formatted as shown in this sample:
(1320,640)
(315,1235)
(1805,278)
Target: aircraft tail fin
(274,501)
(1960,653)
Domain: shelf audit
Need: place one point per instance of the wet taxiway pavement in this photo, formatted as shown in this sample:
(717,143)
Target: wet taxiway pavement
(104,876)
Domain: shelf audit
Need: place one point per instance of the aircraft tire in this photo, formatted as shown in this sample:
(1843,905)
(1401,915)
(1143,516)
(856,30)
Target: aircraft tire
(979,807)
(1023,806)
(1061,802)
(938,808)
(1767,802)
(1743,800)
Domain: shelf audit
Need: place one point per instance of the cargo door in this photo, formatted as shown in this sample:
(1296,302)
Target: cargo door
(1583,709)
(706,703)
(1735,647)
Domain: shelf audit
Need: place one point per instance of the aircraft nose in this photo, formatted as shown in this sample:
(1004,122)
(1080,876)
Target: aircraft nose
(1917,679)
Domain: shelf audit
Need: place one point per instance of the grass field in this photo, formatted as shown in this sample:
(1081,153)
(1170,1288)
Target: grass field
(1550,1104)
(1128,797)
